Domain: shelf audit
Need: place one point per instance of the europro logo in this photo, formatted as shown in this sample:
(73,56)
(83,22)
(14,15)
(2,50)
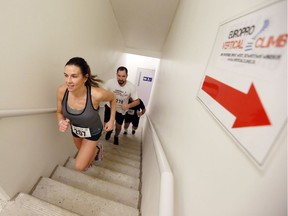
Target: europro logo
(247,30)
(247,38)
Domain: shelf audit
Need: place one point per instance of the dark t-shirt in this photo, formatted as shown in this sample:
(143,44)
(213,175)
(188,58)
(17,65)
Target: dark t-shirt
(133,110)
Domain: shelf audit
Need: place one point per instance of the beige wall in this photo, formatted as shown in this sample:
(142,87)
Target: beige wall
(151,175)
(37,39)
(213,176)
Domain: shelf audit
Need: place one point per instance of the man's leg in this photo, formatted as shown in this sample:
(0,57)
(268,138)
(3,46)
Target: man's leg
(117,132)
(119,122)
(106,119)
(135,124)
(108,135)
(127,121)
(126,125)
(118,129)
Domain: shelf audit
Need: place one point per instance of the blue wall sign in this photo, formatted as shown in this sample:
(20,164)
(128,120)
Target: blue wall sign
(147,79)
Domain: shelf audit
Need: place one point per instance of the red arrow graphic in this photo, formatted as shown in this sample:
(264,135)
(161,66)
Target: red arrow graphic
(247,108)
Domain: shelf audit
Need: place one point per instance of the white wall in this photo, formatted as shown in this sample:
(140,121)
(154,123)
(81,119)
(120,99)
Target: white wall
(151,175)
(213,176)
(137,61)
(37,39)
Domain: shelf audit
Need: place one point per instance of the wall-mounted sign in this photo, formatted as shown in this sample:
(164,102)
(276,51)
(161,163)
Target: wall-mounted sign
(147,79)
(245,82)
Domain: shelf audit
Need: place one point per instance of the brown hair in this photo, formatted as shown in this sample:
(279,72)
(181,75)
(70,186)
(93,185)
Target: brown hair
(85,69)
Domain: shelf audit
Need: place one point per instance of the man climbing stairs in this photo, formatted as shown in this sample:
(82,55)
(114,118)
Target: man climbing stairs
(110,188)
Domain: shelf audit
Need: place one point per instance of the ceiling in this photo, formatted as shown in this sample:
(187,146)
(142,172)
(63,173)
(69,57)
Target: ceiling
(144,24)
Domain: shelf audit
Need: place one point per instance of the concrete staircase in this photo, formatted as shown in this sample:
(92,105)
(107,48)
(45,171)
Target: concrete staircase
(111,188)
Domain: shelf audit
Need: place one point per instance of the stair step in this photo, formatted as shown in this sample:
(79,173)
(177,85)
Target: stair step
(122,153)
(123,160)
(125,141)
(131,141)
(119,167)
(27,205)
(124,149)
(130,145)
(96,186)
(79,201)
(108,175)
(129,151)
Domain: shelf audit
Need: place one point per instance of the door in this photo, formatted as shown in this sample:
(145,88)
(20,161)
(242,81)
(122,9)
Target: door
(145,83)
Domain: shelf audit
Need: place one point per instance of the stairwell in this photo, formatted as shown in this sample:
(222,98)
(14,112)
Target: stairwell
(110,188)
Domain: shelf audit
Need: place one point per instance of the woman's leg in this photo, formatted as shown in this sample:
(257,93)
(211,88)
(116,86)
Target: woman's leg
(78,142)
(86,153)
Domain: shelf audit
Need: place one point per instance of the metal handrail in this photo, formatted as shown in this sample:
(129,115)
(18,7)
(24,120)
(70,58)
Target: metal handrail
(23,112)
(166,205)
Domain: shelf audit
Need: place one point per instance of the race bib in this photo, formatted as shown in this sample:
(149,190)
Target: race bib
(81,132)
(131,112)
(119,101)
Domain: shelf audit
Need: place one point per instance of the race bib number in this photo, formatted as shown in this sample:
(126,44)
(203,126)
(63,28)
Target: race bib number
(81,132)
(131,112)
(119,101)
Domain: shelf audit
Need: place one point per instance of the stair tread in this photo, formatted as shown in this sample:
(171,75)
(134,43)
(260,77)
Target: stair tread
(125,141)
(131,142)
(119,167)
(123,154)
(108,189)
(79,201)
(108,175)
(125,149)
(121,159)
(97,186)
(27,205)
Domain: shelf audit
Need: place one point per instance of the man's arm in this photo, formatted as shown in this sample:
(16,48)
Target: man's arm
(134,103)
(131,105)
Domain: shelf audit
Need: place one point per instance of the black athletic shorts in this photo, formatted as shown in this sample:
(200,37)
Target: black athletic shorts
(93,138)
(119,117)
(132,118)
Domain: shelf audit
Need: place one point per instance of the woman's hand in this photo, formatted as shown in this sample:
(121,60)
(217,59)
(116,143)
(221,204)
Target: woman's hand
(109,125)
(63,125)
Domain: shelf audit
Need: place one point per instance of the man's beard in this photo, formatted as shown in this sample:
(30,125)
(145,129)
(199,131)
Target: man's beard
(121,82)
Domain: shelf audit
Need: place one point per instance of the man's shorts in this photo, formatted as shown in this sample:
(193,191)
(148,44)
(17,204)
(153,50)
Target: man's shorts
(132,118)
(119,117)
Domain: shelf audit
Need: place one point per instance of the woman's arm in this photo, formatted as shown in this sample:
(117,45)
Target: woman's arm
(62,122)
(107,96)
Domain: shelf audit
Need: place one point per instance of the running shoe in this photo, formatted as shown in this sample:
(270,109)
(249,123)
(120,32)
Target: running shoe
(99,155)
(116,140)
(108,135)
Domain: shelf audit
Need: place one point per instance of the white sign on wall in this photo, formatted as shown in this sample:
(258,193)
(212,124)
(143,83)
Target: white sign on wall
(245,82)
(145,83)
